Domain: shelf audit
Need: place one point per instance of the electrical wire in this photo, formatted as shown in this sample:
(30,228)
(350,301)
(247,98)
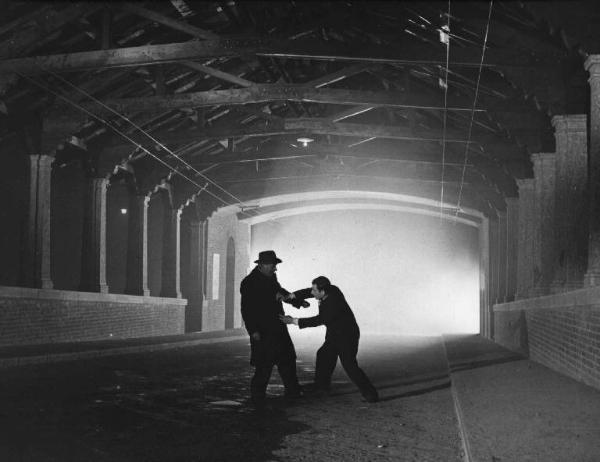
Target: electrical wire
(464,167)
(124,135)
(445,113)
(160,144)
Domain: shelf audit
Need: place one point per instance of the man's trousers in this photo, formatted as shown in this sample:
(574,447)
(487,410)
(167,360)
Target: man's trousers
(327,357)
(262,374)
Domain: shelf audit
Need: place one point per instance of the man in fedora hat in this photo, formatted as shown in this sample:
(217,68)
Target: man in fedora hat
(270,342)
(341,338)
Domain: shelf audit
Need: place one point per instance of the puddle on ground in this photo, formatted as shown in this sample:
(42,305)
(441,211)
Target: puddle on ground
(225,403)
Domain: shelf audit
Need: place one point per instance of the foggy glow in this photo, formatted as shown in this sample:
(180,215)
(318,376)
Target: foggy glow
(401,273)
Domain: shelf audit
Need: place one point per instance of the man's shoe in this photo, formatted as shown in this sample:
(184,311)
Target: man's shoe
(314,388)
(293,394)
(371,397)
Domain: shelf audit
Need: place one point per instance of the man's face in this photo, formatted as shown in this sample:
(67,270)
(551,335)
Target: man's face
(268,269)
(318,294)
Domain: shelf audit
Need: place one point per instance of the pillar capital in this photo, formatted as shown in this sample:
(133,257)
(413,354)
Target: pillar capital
(525,184)
(540,157)
(592,65)
(570,123)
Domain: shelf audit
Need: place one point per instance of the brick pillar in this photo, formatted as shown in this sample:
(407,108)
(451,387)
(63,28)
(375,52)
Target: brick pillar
(35,266)
(592,275)
(197,273)
(525,238)
(137,246)
(171,267)
(512,238)
(544,169)
(493,292)
(502,257)
(93,252)
(571,208)
(484,277)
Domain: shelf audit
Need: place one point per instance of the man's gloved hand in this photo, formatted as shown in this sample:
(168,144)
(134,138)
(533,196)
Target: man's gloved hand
(304,304)
(286,319)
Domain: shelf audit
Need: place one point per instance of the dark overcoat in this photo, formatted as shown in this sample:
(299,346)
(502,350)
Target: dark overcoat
(260,311)
(335,314)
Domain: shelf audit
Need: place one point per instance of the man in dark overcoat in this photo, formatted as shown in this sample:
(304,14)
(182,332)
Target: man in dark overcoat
(341,338)
(270,342)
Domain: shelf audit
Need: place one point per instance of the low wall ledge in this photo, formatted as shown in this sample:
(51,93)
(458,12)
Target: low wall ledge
(11,292)
(576,298)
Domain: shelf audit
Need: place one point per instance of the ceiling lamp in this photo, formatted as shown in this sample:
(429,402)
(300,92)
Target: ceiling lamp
(304,141)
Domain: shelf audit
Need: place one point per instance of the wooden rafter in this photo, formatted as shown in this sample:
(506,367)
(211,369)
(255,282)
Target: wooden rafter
(321,127)
(288,92)
(167,21)
(268,47)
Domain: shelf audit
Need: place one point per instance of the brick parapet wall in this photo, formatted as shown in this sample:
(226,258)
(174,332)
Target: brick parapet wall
(561,331)
(37,316)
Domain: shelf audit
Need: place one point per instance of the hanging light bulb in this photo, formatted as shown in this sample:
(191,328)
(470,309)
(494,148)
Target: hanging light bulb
(304,141)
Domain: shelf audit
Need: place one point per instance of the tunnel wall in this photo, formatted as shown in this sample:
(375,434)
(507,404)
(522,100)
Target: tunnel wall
(221,227)
(38,316)
(560,331)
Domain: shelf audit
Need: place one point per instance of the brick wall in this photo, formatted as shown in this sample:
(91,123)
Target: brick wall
(562,331)
(221,226)
(567,340)
(34,316)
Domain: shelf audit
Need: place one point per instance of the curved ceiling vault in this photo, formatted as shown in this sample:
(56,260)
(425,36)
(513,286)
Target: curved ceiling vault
(262,209)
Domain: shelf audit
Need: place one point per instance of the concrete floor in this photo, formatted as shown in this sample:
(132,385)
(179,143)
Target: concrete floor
(443,399)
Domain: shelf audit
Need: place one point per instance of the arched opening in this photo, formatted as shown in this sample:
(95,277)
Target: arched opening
(229,284)
(432,266)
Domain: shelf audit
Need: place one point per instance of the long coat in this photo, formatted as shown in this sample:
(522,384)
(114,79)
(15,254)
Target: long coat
(260,311)
(335,314)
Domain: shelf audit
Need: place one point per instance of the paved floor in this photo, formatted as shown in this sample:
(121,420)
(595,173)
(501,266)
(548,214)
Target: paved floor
(443,399)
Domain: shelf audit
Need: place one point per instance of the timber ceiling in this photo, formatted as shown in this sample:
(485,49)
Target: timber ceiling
(211,95)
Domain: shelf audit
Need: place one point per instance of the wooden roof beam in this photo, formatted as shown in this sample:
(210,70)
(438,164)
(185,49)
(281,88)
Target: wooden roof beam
(321,127)
(268,47)
(167,21)
(323,150)
(218,74)
(287,92)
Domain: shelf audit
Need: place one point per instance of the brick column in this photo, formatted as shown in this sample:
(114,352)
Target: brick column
(93,252)
(493,286)
(137,246)
(502,257)
(571,209)
(592,275)
(525,238)
(484,277)
(197,273)
(544,169)
(35,265)
(512,238)
(171,271)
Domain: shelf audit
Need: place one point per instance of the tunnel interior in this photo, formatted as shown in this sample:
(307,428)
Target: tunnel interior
(401,273)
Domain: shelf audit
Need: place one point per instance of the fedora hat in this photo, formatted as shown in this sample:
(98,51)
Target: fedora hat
(267,256)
